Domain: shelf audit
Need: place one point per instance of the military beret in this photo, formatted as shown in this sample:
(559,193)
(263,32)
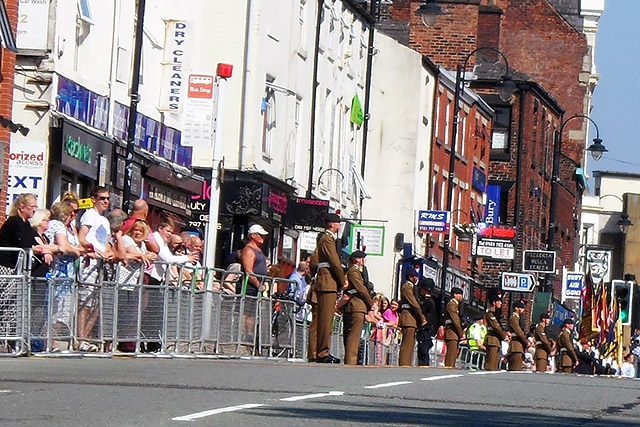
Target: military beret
(332,217)
(412,273)
(518,304)
(427,284)
(544,316)
(477,317)
(357,254)
(568,321)
(493,295)
(456,290)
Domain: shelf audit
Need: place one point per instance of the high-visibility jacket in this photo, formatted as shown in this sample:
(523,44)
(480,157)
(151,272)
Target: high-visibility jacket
(475,335)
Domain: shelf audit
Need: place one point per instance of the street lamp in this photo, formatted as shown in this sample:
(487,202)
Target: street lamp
(429,12)
(624,223)
(505,88)
(596,149)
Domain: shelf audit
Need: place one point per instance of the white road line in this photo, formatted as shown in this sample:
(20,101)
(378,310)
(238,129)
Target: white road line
(203,414)
(5,391)
(486,372)
(312,396)
(441,377)
(389,384)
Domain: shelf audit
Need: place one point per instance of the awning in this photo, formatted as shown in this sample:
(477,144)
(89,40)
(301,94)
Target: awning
(5,29)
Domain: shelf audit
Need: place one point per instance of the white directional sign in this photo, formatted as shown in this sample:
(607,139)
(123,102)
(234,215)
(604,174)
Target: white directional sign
(518,282)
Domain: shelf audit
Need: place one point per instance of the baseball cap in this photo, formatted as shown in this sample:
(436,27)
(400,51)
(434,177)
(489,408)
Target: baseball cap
(257,229)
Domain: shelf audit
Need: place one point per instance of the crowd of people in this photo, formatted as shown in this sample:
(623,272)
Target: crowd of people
(66,246)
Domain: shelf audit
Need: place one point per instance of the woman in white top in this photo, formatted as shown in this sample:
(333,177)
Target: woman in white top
(166,228)
(62,232)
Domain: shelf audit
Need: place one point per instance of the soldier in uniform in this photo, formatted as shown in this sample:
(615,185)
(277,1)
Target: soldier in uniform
(410,318)
(495,333)
(567,357)
(329,279)
(453,331)
(425,333)
(519,341)
(543,345)
(360,302)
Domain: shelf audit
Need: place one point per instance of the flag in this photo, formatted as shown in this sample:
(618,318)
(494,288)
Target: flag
(357,116)
(587,329)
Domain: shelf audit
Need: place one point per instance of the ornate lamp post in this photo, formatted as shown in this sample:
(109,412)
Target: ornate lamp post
(505,89)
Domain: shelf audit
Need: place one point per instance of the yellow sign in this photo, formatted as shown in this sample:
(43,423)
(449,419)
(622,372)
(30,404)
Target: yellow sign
(85,203)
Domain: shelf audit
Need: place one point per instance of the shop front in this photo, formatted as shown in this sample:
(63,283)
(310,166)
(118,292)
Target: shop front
(79,160)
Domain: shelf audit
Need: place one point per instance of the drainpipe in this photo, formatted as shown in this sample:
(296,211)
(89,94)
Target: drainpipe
(314,95)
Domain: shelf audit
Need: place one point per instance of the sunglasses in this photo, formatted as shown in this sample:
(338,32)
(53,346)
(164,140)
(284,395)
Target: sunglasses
(103,197)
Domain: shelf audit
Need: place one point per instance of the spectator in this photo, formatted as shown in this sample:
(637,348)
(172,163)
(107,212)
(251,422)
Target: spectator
(253,261)
(627,370)
(63,233)
(93,235)
(162,237)
(116,219)
(140,211)
(384,304)
(40,222)
(299,278)
(16,232)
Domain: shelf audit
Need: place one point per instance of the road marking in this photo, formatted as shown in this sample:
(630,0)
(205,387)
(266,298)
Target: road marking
(203,414)
(312,396)
(5,391)
(486,372)
(389,384)
(442,377)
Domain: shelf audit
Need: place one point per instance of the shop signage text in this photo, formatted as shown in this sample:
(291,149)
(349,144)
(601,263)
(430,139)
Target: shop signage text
(76,149)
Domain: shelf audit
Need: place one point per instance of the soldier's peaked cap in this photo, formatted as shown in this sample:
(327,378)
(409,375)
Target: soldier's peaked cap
(456,290)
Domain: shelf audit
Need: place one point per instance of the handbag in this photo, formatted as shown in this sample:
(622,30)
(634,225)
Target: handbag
(127,276)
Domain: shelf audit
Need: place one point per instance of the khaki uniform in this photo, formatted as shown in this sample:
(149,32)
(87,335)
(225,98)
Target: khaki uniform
(410,318)
(329,280)
(543,348)
(567,357)
(495,335)
(312,300)
(354,312)
(518,344)
(453,331)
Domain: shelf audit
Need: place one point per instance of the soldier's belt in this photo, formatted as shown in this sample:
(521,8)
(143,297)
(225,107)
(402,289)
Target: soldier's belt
(324,265)
(539,343)
(448,322)
(352,291)
(405,306)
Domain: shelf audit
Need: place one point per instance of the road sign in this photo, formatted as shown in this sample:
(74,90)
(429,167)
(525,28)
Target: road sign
(539,261)
(518,282)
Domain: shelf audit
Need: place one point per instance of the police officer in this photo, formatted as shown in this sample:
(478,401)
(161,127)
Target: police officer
(567,357)
(495,333)
(519,341)
(425,333)
(543,345)
(476,333)
(410,318)
(329,279)
(453,332)
(360,302)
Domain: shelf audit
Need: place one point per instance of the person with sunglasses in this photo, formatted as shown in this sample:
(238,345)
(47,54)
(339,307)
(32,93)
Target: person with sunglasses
(94,234)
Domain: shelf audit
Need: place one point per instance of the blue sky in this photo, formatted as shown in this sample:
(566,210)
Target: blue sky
(614,102)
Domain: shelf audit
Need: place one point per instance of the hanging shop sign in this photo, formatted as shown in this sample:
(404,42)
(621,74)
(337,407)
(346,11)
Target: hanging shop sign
(367,238)
(437,222)
(306,214)
(494,242)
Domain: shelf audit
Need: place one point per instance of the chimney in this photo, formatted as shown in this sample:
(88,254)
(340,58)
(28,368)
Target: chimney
(489,17)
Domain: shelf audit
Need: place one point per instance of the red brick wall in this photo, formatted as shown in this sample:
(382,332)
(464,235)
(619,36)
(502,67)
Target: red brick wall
(6,102)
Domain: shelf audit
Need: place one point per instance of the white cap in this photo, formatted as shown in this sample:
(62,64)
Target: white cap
(257,228)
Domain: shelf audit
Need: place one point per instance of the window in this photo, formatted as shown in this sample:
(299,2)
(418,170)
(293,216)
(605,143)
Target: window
(447,122)
(302,28)
(267,110)
(501,125)
(84,8)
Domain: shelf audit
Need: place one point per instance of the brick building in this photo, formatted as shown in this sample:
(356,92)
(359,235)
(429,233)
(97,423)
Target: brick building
(551,62)
(9,16)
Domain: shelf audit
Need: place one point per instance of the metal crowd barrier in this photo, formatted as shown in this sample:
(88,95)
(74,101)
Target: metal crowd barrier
(98,308)
(14,302)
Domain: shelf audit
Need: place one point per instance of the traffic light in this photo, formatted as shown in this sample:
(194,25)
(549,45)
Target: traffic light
(624,296)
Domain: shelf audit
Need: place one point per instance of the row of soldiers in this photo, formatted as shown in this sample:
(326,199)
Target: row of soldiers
(418,321)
